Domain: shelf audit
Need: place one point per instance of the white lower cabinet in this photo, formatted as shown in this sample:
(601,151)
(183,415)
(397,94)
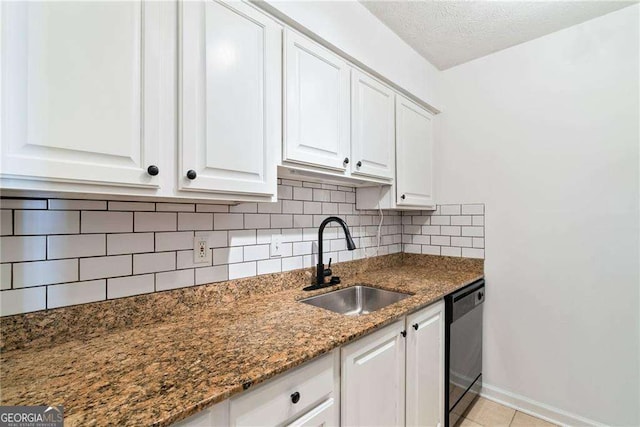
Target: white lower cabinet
(395,376)
(372,379)
(392,377)
(305,396)
(425,367)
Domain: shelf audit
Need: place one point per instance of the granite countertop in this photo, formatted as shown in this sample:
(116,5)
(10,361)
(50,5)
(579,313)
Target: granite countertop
(158,358)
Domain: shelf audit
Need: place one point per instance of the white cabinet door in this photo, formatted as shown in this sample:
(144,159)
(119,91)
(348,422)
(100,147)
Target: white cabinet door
(425,367)
(322,415)
(230,97)
(81,91)
(317,104)
(372,127)
(414,154)
(373,379)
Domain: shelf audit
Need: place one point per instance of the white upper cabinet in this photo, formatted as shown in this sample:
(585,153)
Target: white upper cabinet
(316,105)
(425,367)
(414,154)
(81,91)
(230,99)
(372,127)
(373,377)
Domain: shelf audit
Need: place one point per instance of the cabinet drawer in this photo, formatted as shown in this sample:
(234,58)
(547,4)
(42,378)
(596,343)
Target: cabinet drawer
(272,403)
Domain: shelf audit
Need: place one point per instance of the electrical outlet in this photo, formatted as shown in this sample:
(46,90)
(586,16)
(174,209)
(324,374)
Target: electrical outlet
(201,251)
(276,245)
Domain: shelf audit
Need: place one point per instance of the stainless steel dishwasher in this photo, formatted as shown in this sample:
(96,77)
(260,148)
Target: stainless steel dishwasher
(463,351)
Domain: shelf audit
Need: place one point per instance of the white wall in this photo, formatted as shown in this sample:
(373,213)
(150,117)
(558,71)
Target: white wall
(352,28)
(546,134)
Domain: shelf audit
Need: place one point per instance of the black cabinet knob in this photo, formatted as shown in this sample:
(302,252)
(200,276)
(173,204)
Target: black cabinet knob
(191,174)
(153,170)
(346,160)
(295,397)
(403,333)
(403,197)
(480,295)
(415,326)
(359,164)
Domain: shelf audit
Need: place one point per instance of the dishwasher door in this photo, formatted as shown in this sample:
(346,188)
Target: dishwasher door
(464,345)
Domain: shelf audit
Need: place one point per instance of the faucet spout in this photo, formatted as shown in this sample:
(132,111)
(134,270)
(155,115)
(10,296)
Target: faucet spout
(320,271)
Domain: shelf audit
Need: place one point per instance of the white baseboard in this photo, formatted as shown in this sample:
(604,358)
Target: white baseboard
(536,409)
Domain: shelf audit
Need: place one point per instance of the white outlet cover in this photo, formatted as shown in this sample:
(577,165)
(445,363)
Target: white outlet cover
(201,251)
(276,245)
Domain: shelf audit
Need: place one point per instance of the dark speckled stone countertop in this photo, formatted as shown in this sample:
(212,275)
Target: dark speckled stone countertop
(158,358)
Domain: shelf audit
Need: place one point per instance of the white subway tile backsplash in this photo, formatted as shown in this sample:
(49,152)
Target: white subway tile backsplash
(257,221)
(106,222)
(131,285)
(244,208)
(270,208)
(217,273)
(227,255)
(478,242)
(474,209)
(34,222)
(174,240)
(6,222)
(77,205)
(154,262)
(244,269)
(257,252)
(74,246)
(291,263)
(195,221)
(430,250)
(472,253)
(440,220)
(76,293)
(441,240)
(24,300)
(175,207)
(5,276)
(108,266)
(243,237)
(282,221)
(212,208)
(231,221)
(23,204)
(129,243)
(473,231)
(174,279)
(185,260)
(449,230)
(151,244)
(450,251)
(461,220)
(302,193)
(269,266)
(132,206)
(292,207)
(38,273)
(155,221)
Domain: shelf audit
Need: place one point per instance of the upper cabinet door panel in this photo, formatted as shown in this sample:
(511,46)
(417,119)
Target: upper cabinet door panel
(372,127)
(231,97)
(80,91)
(317,104)
(414,151)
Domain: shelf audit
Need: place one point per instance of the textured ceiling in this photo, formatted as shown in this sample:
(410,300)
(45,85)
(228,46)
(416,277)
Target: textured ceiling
(448,33)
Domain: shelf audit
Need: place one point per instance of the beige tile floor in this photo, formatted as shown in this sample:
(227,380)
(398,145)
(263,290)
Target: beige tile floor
(486,413)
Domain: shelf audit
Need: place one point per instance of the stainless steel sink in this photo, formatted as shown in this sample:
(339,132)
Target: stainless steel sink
(356,300)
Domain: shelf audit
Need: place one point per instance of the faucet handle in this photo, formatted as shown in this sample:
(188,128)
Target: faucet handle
(329,266)
(327,271)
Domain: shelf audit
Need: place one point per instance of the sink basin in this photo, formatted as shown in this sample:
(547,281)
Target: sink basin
(355,300)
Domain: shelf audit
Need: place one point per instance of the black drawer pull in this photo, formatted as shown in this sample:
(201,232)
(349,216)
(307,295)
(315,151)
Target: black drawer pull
(295,397)
(415,326)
